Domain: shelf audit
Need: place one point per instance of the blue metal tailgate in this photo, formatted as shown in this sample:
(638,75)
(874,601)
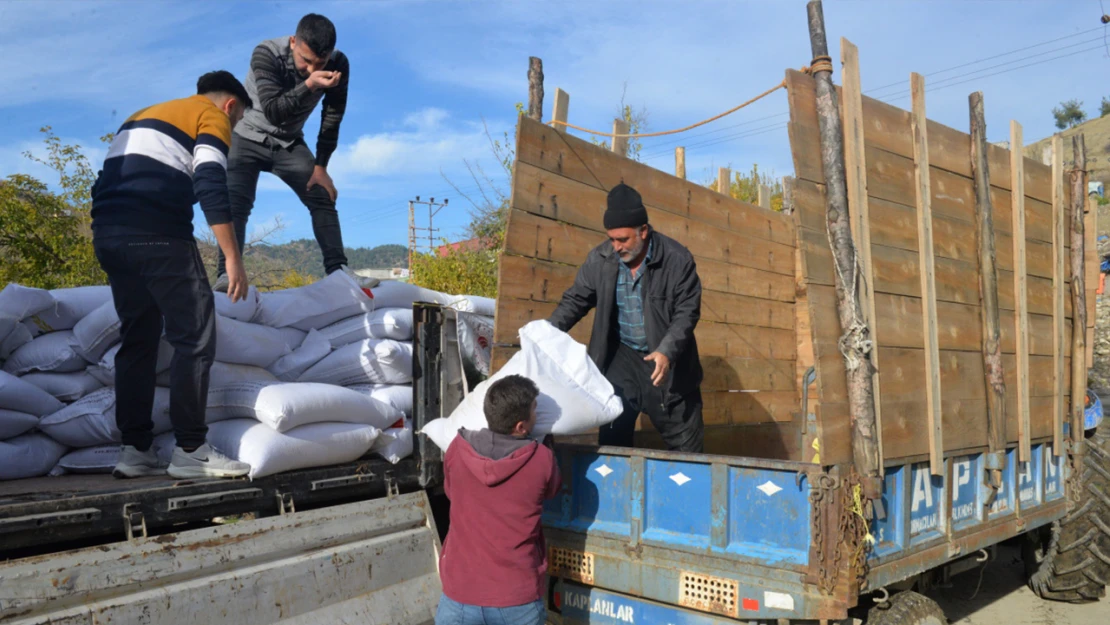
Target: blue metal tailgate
(725,535)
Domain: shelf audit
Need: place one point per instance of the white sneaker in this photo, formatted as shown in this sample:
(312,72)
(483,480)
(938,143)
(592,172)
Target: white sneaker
(135,463)
(366,283)
(204,462)
(222,284)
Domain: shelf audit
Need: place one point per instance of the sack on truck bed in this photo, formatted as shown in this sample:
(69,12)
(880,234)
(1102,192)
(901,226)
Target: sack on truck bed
(50,352)
(290,366)
(384,323)
(17,336)
(30,455)
(394,444)
(14,423)
(91,420)
(21,302)
(285,406)
(317,305)
(269,451)
(397,395)
(65,386)
(244,310)
(574,396)
(248,343)
(70,307)
(15,394)
(97,332)
(373,361)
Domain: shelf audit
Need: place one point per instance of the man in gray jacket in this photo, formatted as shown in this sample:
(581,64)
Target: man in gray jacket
(646,290)
(288,77)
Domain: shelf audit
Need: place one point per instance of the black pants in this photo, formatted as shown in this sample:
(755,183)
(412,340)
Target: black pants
(677,418)
(294,165)
(160,281)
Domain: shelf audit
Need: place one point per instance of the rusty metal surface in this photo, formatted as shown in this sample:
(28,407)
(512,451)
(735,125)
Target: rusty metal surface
(377,558)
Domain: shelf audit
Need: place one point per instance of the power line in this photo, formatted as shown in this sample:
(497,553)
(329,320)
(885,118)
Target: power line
(991,58)
(984,69)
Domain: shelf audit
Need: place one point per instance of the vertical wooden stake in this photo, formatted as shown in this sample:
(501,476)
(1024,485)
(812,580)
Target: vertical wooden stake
(788,195)
(680,162)
(1021,305)
(918,125)
(1078,300)
(1058,286)
(856,341)
(859,208)
(1090,253)
(562,105)
(620,144)
(765,196)
(535,88)
(724,180)
(988,294)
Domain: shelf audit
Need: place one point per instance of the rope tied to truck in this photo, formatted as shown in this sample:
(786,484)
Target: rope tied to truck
(821,63)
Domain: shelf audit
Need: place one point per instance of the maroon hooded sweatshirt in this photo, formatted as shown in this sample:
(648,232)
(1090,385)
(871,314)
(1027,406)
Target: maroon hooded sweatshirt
(494,555)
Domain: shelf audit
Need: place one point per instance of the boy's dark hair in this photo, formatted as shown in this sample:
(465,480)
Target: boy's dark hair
(222,81)
(318,33)
(508,402)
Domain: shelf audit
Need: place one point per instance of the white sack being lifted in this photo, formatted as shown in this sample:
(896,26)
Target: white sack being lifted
(284,406)
(269,451)
(317,305)
(373,361)
(70,306)
(574,396)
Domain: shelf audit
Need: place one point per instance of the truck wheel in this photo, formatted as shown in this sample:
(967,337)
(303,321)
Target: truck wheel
(907,608)
(1074,564)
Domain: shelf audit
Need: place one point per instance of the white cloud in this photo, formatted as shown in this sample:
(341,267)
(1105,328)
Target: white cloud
(429,143)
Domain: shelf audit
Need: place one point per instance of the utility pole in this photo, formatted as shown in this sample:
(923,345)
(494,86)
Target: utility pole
(433,210)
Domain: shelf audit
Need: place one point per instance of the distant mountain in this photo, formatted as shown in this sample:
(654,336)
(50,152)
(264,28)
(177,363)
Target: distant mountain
(304,256)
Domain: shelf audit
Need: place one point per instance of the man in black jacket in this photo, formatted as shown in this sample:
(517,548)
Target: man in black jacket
(646,290)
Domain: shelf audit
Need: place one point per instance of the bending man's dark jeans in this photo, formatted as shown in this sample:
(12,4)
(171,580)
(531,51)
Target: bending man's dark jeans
(677,418)
(294,165)
(160,281)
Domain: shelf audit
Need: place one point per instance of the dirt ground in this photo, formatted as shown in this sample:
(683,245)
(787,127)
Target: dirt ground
(1004,599)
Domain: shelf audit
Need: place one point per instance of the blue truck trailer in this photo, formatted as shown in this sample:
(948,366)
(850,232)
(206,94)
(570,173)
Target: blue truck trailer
(973,269)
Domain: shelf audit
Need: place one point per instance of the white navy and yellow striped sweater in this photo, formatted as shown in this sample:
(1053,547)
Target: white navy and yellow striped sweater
(163,160)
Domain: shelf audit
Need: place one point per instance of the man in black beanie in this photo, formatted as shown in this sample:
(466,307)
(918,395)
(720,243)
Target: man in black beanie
(647,293)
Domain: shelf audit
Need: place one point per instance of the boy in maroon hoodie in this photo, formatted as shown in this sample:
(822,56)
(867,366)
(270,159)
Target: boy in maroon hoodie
(494,561)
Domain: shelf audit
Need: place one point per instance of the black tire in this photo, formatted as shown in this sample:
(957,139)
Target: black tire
(907,608)
(1075,562)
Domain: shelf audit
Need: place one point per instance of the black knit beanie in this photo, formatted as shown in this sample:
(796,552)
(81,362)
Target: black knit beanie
(626,208)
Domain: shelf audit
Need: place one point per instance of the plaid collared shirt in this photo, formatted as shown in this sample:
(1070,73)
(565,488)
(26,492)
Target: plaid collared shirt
(630,304)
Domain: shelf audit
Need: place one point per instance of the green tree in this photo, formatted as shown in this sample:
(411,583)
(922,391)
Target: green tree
(1104,110)
(1069,114)
(46,235)
(458,272)
(745,187)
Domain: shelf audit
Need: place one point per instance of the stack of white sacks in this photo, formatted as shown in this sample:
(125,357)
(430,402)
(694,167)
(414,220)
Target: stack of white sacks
(305,377)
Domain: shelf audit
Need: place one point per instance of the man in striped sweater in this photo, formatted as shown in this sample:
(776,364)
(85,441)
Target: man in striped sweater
(164,159)
(288,77)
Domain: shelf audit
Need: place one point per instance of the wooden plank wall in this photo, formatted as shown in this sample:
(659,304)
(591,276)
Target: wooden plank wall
(745,256)
(891,193)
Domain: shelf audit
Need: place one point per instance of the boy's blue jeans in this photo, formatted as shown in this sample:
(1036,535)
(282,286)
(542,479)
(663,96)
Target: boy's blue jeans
(452,612)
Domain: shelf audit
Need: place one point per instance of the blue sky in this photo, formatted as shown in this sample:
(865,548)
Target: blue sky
(427,75)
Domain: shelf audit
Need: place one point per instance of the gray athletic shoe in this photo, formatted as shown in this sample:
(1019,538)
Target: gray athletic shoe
(222,284)
(204,462)
(366,283)
(135,463)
